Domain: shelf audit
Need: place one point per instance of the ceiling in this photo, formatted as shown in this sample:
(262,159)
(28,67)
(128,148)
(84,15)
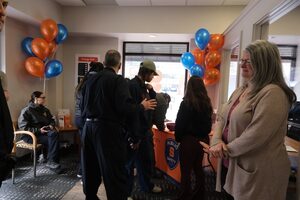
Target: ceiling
(152,2)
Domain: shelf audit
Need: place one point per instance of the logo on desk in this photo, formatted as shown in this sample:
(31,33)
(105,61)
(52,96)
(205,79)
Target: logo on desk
(171,153)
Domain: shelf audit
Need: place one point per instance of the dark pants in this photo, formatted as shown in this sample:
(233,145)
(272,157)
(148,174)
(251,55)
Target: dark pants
(144,161)
(50,142)
(79,123)
(191,156)
(104,153)
(223,179)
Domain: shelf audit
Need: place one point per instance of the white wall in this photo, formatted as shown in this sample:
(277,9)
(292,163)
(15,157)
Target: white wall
(81,45)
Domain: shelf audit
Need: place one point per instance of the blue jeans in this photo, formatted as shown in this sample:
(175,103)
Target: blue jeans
(143,159)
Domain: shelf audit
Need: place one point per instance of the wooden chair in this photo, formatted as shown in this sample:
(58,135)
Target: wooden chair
(24,145)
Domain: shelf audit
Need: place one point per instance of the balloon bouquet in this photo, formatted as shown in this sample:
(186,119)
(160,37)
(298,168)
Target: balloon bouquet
(41,50)
(204,60)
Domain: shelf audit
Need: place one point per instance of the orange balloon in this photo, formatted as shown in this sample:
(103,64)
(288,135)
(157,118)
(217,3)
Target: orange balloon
(35,66)
(216,41)
(212,59)
(199,56)
(211,76)
(52,47)
(40,48)
(49,29)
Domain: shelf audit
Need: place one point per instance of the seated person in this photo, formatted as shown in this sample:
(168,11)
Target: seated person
(35,117)
(159,115)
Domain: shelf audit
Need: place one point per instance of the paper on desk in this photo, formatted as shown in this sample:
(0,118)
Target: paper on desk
(290,149)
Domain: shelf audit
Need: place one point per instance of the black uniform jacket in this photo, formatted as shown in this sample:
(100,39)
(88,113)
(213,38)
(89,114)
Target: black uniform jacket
(33,117)
(106,97)
(6,127)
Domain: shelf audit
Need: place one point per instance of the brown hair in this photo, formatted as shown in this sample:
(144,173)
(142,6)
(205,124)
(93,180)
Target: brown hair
(196,95)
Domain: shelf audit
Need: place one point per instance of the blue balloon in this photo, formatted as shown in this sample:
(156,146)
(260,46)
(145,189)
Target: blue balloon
(53,68)
(197,70)
(62,34)
(202,38)
(26,46)
(187,59)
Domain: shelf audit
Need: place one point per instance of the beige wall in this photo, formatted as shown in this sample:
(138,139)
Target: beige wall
(20,83)
(81,45)
(286,25)
(185,20)
(36,9)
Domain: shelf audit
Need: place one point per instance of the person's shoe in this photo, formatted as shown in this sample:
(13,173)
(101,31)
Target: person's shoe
(79,175)
(129,198)
(58,170)
(42,159)
(52,165)
(156,189)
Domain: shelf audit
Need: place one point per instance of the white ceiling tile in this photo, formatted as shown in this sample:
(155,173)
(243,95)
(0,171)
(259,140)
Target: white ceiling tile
(71,2)
(235,2)
(168,2)
(100,2)
(205,2)
(133,2)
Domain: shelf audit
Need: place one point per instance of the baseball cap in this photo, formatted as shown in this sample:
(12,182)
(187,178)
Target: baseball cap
(149,64)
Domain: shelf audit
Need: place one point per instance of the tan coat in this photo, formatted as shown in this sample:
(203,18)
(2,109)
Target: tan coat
(258,166)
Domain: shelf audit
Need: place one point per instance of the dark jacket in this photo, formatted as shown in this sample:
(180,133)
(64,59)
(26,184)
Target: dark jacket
(33,117)
(6,127)
(160,111)
(191,122)
(106,97)
(139,92)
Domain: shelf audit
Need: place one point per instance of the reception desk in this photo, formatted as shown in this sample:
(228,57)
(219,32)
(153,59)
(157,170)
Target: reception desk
(166,153)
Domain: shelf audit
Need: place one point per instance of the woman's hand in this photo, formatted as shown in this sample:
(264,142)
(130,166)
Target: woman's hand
(219,150)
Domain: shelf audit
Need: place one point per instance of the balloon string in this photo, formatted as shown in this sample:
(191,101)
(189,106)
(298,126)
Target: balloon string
(44,89)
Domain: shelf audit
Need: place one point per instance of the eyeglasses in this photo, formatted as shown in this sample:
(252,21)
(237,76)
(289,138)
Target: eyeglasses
(244,61)
(5,4)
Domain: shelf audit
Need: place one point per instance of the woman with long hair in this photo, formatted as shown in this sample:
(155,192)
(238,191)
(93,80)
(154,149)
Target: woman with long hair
(95,67)
(193,124)
(250,129)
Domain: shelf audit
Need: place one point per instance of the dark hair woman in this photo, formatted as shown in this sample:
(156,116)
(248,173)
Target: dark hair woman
(35,117)
(193,124)
(95,67)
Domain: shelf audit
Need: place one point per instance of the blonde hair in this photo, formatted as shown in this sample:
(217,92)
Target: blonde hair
(267,69)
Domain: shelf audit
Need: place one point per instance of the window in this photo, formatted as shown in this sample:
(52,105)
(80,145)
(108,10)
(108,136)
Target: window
(172,75)
(288,54)
(233,71)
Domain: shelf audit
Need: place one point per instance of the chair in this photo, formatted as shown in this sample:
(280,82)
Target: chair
(24,145)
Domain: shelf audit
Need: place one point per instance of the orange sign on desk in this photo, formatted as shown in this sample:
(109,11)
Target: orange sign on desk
(167,153)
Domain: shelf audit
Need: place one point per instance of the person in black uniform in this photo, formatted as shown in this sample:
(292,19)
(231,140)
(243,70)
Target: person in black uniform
(35,117)
(95,67)
(6,127)
(143,157)
(106,105)
(193,124)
